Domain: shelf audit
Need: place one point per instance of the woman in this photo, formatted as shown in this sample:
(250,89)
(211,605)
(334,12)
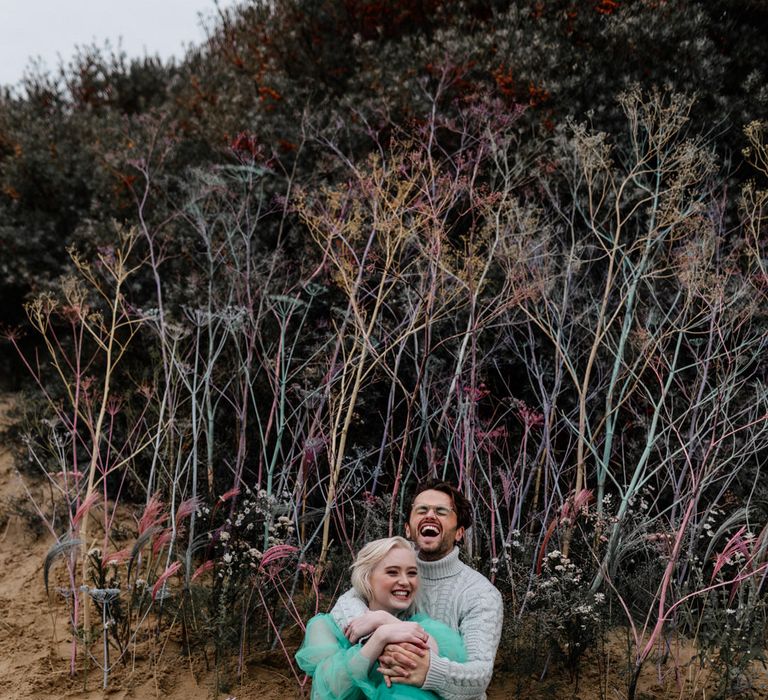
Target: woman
(385,574)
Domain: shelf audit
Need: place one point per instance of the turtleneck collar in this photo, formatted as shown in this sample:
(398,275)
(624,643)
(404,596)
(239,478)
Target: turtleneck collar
(448,566)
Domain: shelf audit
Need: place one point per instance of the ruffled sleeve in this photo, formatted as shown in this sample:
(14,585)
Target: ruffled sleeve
(339,671)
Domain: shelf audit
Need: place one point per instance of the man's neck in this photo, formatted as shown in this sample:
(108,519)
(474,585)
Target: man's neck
(445,567)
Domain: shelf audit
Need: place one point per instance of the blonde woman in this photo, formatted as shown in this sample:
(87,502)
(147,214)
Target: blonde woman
(385,576)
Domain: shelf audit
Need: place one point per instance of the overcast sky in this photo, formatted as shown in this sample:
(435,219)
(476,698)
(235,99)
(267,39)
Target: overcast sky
(52,28)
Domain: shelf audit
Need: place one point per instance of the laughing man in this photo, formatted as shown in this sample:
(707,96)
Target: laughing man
(451,592)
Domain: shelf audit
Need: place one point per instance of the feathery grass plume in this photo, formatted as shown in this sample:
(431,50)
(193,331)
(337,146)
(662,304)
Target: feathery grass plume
(229,494)
(186,508)
(737,544)
(118,557)
(200,570)
(170,571)
(224,498)
(57,550)
(85,506)
(576,504)
(573,506)
(275,554)
(153,515)
(732,521)
(161,540)
(141,540)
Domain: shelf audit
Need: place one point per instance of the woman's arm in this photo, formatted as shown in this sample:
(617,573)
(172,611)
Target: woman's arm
(340,672)
(337,669)
(366,624)
(394,632)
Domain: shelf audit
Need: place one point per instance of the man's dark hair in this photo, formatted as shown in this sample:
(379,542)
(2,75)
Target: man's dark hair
(460,503)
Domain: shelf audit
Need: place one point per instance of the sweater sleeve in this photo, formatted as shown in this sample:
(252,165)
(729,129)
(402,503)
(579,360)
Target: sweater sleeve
(349,606)
(480,629)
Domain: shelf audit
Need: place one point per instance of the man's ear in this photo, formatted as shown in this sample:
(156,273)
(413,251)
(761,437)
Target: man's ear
(408,531)
(459,534)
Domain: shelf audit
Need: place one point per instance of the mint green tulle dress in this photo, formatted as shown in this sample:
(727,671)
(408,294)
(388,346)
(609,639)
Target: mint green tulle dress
(340,672)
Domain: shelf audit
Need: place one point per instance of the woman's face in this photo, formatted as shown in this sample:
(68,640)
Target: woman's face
(394,581)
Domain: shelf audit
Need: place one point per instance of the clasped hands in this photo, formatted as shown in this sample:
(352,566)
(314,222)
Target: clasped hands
(406,653)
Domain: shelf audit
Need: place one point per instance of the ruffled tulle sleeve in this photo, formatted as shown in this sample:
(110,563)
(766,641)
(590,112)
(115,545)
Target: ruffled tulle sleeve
(339,671)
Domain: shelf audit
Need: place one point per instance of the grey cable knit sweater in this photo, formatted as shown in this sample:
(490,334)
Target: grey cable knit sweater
(463,599)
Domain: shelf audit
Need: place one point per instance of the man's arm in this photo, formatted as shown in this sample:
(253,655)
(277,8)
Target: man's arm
(480,630)
(349,606)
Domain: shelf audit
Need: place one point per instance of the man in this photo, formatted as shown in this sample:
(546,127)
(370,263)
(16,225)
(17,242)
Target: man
(451,592)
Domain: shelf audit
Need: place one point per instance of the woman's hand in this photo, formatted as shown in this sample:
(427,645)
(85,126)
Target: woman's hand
(366,624)
(402,633)
(410,633)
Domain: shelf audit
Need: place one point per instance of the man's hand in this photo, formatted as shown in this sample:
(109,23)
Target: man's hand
(404,663)
(366,624)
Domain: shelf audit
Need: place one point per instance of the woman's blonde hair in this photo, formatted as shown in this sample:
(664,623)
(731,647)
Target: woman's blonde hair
(368,557)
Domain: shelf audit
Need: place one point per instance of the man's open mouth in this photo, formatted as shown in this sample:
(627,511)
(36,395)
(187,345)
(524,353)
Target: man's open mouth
(429,530)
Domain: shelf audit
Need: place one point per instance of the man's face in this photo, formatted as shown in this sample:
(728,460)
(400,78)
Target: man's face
(434,533)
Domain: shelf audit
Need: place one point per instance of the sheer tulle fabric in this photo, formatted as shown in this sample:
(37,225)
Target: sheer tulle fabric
(340,672)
